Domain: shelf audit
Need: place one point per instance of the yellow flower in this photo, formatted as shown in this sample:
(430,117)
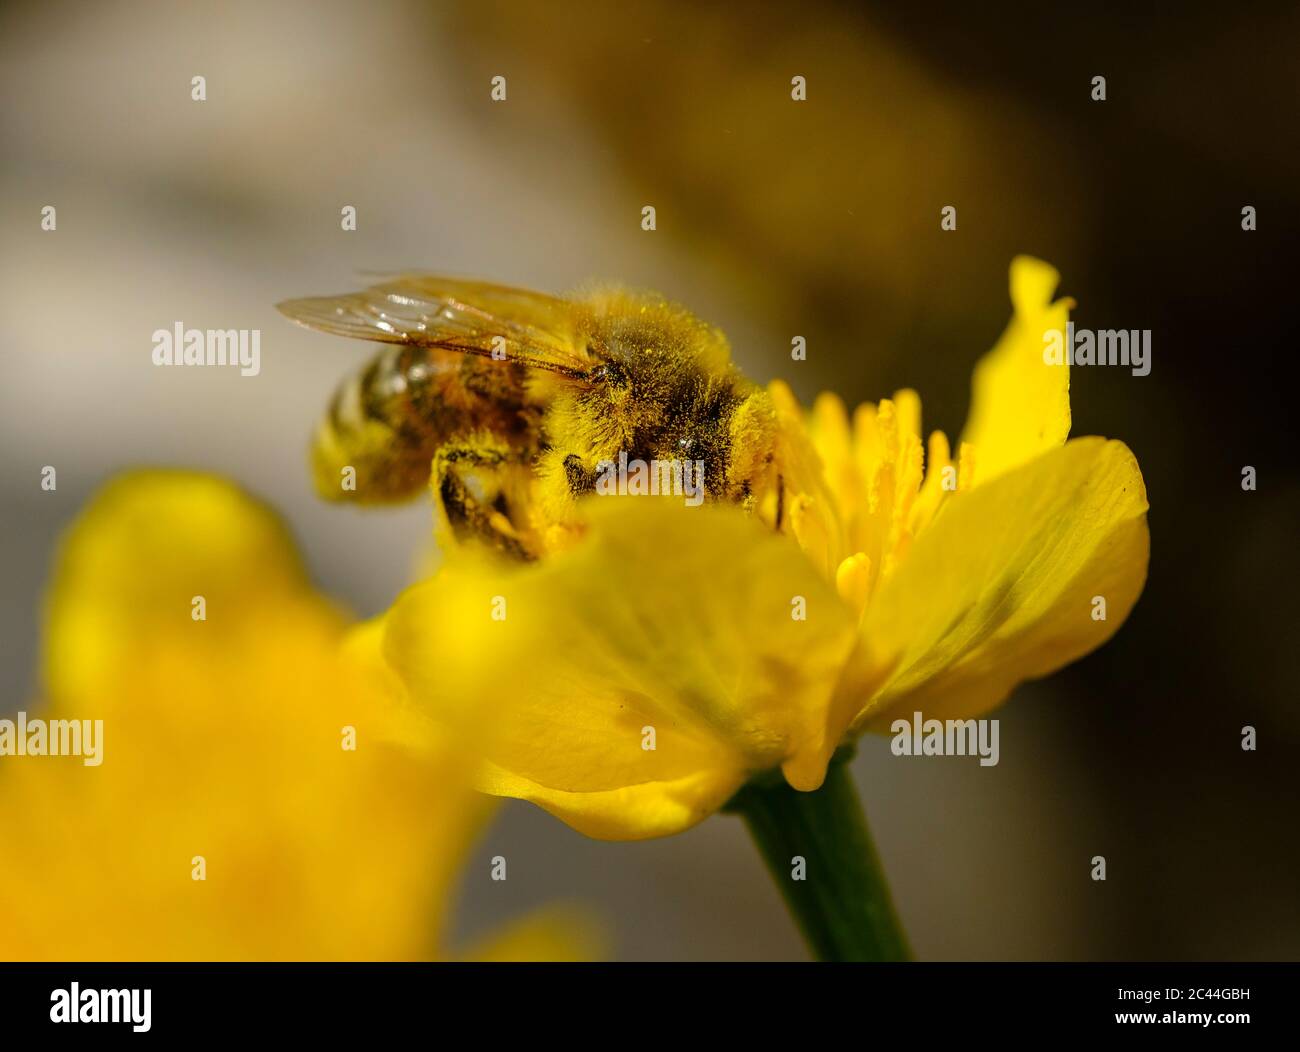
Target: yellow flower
(180,615)
(674,653)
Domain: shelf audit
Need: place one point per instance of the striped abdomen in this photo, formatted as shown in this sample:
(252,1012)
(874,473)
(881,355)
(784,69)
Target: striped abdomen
(385,422)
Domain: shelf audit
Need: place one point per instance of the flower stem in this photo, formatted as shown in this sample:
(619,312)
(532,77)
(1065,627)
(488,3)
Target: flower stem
(842,904)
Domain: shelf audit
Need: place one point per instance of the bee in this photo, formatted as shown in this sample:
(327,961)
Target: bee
(512,403)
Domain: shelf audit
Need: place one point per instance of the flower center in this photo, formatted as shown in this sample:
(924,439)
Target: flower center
(871,488)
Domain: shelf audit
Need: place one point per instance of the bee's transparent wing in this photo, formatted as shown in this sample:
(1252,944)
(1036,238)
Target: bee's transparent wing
(473,317)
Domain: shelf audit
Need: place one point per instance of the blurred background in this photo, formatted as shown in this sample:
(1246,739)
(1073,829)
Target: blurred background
(774,219)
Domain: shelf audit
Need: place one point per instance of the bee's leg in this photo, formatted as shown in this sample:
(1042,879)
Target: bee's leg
(470,511)
(579,478)
(780,501)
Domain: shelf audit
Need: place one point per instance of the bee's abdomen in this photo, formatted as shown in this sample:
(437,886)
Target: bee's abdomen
(377,439)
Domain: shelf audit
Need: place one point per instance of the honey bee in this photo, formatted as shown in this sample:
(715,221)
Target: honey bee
(514,402)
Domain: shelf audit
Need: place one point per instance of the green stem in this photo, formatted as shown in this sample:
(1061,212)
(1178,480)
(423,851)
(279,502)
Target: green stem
(842,904)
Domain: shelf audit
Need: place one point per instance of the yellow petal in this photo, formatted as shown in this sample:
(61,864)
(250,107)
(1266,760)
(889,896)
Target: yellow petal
(635,679)
(1000,588)
(1020,405)
(152,552)
(632,812)
(362,654)
(552,934)
(223,741)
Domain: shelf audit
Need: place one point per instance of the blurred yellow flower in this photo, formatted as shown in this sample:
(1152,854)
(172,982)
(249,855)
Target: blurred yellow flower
(247,805)
(674,653)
